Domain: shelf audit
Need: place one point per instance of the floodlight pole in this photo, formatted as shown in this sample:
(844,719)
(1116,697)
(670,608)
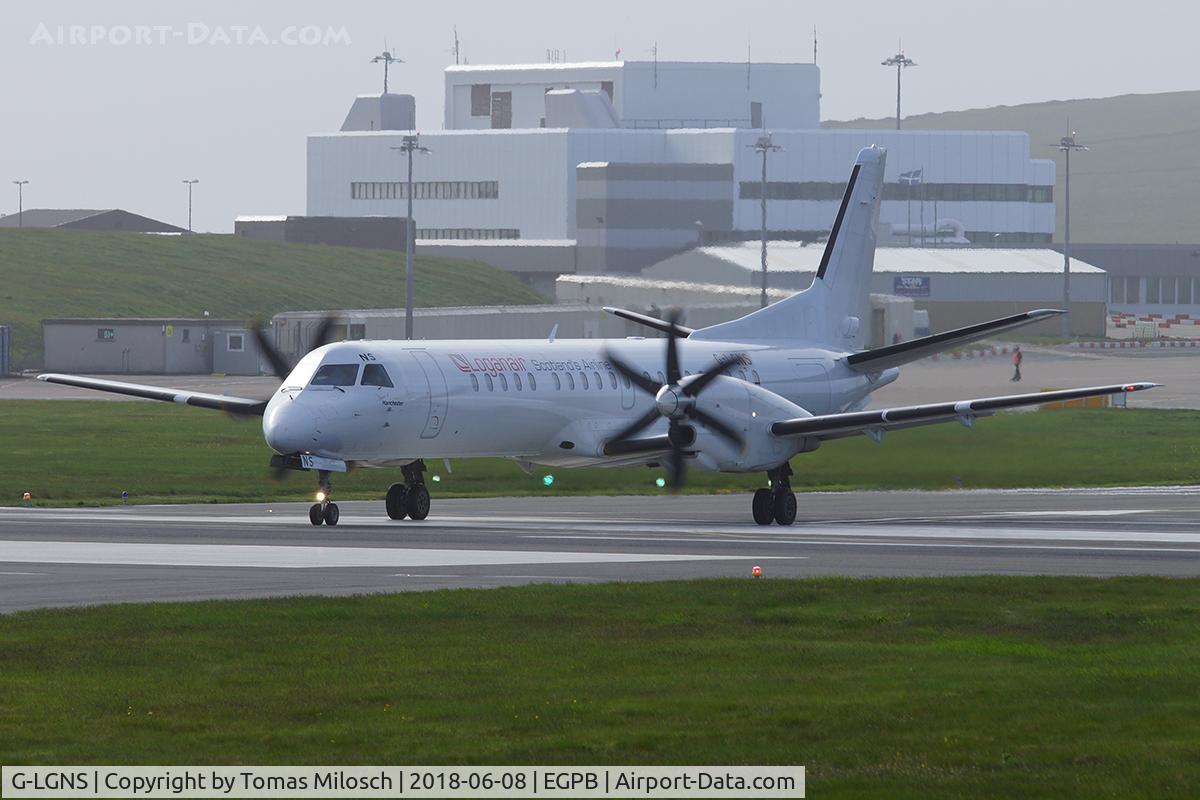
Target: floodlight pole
(763,146)
(900,62)
(190,184)
(1065,145)
(409,143)
(20,203)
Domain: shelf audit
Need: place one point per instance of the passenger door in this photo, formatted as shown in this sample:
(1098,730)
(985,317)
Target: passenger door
(435,381)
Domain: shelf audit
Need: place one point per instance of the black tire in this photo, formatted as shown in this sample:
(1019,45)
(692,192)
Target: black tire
(416,503)
(331,514)
(394,501)
(314,514)
(764,507)
(785,508)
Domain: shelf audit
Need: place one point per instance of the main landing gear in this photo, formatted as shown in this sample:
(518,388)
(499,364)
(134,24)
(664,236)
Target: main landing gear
(411,498)
(777,504)
(324,510)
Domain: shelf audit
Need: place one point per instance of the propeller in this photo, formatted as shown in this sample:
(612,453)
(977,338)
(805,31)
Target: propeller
(281,367)
(675,400)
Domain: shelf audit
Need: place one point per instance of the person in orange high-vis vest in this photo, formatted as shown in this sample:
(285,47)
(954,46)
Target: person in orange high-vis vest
(1017,358)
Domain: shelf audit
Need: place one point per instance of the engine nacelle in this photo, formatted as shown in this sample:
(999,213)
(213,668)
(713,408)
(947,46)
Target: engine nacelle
(749,409)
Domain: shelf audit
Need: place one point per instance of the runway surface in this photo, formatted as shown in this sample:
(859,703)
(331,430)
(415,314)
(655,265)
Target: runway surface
(64,557)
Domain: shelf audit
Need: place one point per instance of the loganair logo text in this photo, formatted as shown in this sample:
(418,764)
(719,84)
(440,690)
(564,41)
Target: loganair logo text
(492,365)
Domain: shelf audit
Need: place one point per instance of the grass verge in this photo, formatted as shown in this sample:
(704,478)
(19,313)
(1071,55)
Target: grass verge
(88,452)
(957,687)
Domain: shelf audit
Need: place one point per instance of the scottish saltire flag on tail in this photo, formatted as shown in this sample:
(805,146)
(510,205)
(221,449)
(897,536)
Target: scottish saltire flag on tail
(910,178)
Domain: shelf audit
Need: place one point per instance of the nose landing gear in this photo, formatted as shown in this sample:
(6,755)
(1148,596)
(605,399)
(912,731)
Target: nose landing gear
(411,498)
(777,504)
(324,510)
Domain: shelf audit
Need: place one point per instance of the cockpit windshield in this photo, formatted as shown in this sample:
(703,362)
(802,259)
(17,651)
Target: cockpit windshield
(335,375)
(376,375)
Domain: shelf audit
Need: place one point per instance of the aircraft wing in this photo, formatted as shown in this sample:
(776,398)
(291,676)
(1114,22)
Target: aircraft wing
(875,423)
(915,349)
(220,402)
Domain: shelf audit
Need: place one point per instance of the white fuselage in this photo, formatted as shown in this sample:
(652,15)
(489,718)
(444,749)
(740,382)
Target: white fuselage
(544,402)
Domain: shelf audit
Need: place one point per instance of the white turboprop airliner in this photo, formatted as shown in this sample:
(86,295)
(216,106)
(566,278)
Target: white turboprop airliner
(742,396)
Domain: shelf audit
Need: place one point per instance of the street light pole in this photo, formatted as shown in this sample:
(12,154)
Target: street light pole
(763,146)
(190,184)
(1065,145)
(408,145)
(20,203)
(900,62)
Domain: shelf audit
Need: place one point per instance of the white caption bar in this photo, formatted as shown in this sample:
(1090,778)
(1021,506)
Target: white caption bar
(286,782)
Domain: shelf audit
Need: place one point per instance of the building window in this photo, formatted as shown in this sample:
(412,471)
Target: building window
(235,343)
(1152,290)
(425,190)
(106,334)
(1116,291)
(944,192)
(607,88)
(481,100)
(468,233)
(1133,290)
(1184,297)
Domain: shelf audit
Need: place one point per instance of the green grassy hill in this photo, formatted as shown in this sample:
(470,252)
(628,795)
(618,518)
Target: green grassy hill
(47,273)
(1138,184)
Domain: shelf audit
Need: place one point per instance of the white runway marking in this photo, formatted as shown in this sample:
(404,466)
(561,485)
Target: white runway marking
(293,557)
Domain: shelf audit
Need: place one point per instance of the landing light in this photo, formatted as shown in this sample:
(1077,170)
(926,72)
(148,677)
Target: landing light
(320,497)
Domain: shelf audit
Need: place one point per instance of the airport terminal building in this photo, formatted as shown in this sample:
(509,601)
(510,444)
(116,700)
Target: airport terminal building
(634,161)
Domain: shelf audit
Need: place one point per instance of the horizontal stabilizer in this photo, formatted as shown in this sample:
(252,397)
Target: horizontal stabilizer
(220,402)
(894,355)
(661,325)
(833,426)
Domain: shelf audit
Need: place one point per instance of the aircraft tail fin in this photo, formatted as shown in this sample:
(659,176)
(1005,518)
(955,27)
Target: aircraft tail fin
(833,310)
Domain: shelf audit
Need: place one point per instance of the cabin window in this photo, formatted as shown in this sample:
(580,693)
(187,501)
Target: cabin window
(532,381)
(376,375)
(612,380)
(335,375)
(570,382)
(557,382)
(503,382)
(628,383)
(583,380)
(517,381)
(661,378)
(491,384)
(474,383)
(757,380)
(599,382)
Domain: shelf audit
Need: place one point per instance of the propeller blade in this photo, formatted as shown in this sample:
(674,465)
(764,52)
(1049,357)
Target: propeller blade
(280,366)
(709,375)
(640,424)
(673,348)
(678,469)
(638,379)
(321,337)
(717,425)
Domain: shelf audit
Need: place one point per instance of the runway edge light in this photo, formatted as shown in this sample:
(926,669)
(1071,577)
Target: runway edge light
(756,571)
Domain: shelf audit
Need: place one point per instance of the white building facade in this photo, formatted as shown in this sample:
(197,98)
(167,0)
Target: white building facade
(502,170)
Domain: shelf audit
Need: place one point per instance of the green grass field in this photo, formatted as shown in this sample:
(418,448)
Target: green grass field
(46,274)
(902,688)
(88,452)
(1136,185)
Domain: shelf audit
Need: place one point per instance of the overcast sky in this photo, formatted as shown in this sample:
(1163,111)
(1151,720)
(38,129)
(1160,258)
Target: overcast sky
(103,123)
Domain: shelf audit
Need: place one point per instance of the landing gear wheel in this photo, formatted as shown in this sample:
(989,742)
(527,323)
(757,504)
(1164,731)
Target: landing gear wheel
(314,514)
(395,501)
(763,505)
(785,508)
(416,503)
(331,514)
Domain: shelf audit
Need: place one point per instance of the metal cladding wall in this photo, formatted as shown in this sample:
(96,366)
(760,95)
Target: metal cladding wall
(629,216)
(5,350)
(148,346)
(535,172)
(645,94)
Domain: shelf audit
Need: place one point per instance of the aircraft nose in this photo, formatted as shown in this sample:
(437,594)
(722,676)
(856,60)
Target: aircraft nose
(292,426)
